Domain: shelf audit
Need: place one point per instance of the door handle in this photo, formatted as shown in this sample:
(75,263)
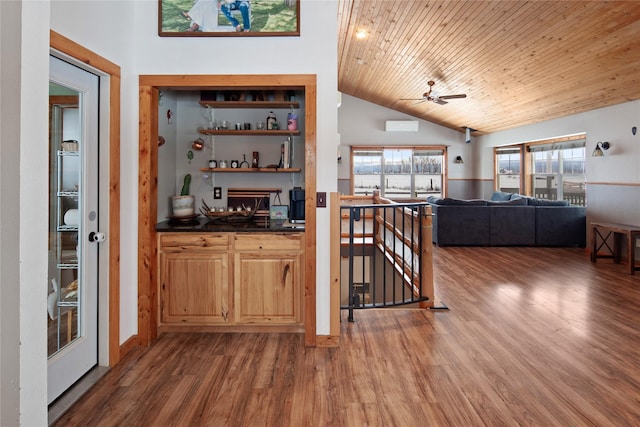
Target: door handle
(97,237)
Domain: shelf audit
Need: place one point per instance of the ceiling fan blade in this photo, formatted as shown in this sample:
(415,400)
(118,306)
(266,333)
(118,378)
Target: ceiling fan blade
(453,96)
(411,99)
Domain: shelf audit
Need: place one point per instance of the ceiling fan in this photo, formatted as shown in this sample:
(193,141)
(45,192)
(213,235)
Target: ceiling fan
(433,96)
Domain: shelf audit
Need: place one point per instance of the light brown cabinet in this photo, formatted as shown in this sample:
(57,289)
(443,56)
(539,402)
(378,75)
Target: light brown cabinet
(237,281)
(268,277)
(194,278)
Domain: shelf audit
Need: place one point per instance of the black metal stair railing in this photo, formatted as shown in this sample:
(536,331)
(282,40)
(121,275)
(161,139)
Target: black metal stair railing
(383,251)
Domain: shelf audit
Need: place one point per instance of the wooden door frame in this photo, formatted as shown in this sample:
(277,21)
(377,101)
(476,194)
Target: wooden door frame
(112,72)
(149,86)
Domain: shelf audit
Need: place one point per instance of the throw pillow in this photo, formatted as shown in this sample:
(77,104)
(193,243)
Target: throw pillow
(432,199)
(500,196)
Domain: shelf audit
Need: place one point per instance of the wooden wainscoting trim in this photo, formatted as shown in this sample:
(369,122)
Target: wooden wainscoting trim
(327,341)
(129,345)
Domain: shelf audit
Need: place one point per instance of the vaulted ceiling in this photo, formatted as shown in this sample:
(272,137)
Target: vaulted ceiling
(518,62)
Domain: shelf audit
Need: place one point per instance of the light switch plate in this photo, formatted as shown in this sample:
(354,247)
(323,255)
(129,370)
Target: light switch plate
(321,199)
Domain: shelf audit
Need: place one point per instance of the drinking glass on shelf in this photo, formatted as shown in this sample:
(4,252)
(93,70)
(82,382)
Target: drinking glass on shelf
(260,125)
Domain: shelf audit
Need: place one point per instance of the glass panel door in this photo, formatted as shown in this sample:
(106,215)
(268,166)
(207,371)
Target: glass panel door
(64,182)
(73,224)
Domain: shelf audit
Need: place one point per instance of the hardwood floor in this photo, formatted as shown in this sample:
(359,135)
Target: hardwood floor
(534,336)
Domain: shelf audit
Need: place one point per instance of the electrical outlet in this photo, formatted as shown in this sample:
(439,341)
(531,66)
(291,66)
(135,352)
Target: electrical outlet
(217,192)
(321,199)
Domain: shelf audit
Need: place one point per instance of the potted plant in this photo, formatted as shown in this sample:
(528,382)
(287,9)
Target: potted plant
(184,204)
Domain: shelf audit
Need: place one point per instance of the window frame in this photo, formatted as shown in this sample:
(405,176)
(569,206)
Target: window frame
(496,165)
(414,148)
(527,150)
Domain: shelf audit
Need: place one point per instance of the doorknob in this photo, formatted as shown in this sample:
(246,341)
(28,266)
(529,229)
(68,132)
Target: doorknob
(97,237)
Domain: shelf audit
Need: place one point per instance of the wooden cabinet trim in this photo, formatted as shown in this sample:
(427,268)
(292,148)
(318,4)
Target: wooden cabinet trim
(262,279)
(149,86)
(193,241)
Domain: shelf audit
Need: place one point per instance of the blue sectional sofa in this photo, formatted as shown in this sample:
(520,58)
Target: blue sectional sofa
(507,220)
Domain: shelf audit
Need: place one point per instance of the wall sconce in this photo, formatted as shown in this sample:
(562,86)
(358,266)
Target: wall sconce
(599,147)
(458,160)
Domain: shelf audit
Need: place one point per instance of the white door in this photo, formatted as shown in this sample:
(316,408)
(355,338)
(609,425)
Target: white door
(73,225)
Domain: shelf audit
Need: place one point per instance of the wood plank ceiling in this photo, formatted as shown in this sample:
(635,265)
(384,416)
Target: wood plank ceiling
(518,62)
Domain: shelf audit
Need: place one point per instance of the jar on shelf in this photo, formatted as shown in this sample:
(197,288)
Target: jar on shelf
(292,121)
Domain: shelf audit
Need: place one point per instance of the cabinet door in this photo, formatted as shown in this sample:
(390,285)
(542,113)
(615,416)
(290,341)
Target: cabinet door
(267,287)
(194,288)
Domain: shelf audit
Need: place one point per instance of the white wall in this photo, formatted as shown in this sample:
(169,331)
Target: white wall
(107,28)
(23,198)
(10,113)
(125,33)
(132,42)
(613,181)
(613,124)
(363,123)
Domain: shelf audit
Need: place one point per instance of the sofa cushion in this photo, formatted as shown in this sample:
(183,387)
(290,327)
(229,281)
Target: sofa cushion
(544,202)
(433,199)
(512,225)
(561,226)
(500,196)
(459,202)
(513,202)
(460,225)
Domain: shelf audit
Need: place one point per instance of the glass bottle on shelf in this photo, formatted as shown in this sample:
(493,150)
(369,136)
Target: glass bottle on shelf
(272,122)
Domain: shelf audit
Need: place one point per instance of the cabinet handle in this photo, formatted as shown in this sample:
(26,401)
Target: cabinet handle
(284,275)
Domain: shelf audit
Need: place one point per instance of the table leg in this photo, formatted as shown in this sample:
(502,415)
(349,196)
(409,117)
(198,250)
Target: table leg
(631,245)
(617,247)
(594,243)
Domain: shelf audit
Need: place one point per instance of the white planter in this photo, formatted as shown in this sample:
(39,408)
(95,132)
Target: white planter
(183,205)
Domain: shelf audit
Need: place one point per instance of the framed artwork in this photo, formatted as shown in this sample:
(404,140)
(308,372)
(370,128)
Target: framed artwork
(225,18)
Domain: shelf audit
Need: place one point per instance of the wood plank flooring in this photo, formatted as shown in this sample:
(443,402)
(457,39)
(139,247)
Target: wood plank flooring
(534,336)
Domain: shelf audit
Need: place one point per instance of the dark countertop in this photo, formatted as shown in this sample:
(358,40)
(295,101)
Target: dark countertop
(202,224)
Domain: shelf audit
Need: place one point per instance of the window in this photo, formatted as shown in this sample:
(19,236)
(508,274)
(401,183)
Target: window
(558,171)
(398,173)
(554,168)
(508,162)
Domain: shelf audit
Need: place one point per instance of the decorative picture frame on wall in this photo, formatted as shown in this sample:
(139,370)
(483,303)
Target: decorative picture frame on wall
(228,18)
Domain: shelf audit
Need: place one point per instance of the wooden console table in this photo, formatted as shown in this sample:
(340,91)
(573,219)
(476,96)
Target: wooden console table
(632,232)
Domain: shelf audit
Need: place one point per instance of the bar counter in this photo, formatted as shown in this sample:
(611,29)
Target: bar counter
(203,224)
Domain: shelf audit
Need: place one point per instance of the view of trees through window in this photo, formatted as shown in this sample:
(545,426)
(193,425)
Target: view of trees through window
(398,172)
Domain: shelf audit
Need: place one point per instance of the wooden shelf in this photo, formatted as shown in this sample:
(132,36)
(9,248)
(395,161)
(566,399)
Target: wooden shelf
(248,132)
(250,104)
(252,170)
